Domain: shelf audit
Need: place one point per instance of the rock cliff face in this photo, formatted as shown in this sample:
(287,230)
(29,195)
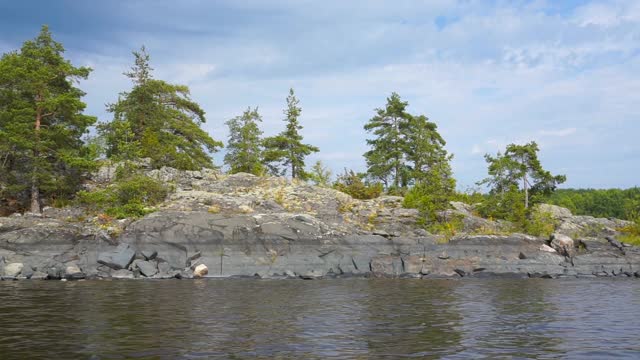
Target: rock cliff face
(242,225)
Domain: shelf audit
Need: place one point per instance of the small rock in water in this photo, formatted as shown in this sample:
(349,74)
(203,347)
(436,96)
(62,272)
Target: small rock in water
(200,271)
(312,274)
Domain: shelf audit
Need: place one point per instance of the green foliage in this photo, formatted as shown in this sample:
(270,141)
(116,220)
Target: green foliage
(447,229)
(352,184)
(429,197)
(386,160)
(286,149)
(540,224)
(508,205)
(320,174)
(518,165)
(41,123)
(244,148)
(470,196)
(631,233)
(408,150)
(606,203)
(158,120)
(130,196)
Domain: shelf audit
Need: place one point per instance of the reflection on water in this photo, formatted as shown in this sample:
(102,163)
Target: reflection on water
(355,318)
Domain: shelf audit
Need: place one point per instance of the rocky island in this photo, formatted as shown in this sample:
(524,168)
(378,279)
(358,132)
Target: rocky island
(241,225)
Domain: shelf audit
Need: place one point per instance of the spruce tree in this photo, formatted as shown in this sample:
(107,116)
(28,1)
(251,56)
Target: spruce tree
(434,185)
(286,151)
(244,148)
(41,121)
(158,120)
(386,160)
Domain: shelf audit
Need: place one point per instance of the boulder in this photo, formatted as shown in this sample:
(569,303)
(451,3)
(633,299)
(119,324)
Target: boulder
(149,254)
(73,272)
(563,244)
(200,271)
(147,268)
(13,269)
(556,212)
(312,274)
(120,258)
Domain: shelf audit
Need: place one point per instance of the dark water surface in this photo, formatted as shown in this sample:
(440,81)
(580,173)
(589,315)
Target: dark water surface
(350,318)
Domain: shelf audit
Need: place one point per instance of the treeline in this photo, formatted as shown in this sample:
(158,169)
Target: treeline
(45,149)
(607,203)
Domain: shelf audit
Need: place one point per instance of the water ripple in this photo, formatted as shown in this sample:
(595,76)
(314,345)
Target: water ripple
(355,318)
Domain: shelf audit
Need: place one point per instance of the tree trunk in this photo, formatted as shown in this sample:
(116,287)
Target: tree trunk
(35,189)
(526,191)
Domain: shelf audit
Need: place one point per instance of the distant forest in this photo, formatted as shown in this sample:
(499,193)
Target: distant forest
(609,203)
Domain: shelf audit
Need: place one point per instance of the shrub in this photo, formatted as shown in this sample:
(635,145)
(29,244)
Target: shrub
(447,229)
(352,184)
(540,224)
(428,200)
(129,197)
(631,233)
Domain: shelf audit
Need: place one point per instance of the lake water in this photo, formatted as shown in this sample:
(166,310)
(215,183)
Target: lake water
(339,318)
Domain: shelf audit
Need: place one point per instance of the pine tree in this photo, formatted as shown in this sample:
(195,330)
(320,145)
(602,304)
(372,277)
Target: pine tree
(244,148)
(520,165)
(286,150)
(41,121)
(386,160)
(158,120)
(320,174)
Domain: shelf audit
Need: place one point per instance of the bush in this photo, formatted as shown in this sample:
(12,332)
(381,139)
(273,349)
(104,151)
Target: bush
(540,224)
(631,233)
(428,199)
(447,229)
(129,197)
(352,184)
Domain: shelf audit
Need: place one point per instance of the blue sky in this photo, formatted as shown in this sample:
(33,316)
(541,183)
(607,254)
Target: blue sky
(489,73)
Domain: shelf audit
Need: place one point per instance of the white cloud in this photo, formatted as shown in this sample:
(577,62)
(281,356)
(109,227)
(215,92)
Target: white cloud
(558,132)
(496,74)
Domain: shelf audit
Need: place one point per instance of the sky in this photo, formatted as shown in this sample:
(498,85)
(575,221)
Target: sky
(489,73)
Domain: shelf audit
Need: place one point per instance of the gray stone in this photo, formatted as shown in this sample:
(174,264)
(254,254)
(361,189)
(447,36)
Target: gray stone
(119,258)
(27,271)
(554,211)
(73,272)
(149,254)
(147,268)
(122,274)
(312,274)
(563,244)
(38,275)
